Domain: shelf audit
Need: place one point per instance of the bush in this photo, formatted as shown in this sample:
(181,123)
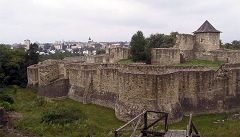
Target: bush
(7,106)
(39,102)
(6,98)
(62,116)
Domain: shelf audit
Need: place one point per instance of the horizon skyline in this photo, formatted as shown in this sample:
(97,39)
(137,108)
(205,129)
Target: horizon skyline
(112,20)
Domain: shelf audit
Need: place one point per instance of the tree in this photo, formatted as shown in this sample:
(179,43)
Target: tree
(159,41)
(32,57)
(137,47)
(12,67)
(100,51)
(233,45)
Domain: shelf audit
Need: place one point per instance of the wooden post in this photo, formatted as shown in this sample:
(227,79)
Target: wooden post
(115,134)
(166,122)
(145,123)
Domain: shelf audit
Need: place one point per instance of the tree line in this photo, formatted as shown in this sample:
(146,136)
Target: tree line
(14,63)
(233,45)
(140,47)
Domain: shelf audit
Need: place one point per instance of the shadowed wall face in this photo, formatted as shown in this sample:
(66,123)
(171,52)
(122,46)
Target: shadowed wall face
(32,75)
(55,89)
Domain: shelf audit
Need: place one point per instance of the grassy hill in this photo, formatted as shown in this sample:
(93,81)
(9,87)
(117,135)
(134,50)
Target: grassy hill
(92,120)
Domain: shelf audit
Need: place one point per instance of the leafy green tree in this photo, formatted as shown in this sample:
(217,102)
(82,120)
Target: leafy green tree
(12,66)
(159,41)
(233,45)
(137,47)
(57,55)
(100,51)
(32,57)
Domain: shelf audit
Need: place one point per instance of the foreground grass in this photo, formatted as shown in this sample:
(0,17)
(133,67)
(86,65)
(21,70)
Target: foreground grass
(206,126)
(99,121)
(206,63)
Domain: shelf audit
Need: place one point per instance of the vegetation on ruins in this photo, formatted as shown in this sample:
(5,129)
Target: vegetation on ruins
(159,41)
(137,47)
(140,47)
(205,63)
(125,61)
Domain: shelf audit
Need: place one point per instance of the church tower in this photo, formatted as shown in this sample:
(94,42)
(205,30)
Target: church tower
(207,38)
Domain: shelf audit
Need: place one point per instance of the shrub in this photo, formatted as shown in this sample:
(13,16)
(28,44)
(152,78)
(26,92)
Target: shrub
(7,106)
(6,98)
(39,102)
(62,116)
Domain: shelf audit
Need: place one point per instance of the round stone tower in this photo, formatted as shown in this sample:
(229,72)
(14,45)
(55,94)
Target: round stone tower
(207,38)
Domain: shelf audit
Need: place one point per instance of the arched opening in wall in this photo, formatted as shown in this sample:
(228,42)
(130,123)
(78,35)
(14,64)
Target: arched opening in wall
(182,58)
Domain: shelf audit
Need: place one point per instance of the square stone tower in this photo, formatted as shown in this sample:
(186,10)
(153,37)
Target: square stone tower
(207,38)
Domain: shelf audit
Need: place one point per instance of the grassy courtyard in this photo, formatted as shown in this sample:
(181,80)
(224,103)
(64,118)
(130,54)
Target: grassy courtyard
(96,121)
(205,63)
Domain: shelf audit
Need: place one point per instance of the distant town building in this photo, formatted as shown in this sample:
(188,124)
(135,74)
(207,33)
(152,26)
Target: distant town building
(91,43)
(27,43)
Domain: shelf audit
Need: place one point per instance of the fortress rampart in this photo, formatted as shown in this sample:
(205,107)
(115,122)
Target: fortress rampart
(130,89)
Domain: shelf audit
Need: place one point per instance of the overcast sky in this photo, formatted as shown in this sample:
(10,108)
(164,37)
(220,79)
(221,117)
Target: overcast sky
(112,20)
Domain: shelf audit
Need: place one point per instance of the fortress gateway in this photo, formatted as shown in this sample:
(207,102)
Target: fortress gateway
(162,86)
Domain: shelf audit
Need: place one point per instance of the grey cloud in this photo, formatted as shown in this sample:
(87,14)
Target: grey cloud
(112,20)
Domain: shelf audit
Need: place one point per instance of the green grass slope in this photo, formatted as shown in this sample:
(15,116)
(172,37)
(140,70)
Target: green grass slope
(98,121)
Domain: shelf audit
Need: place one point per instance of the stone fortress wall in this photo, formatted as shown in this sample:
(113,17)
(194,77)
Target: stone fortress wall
(130,89)
(204,44)
(187,41)
(165,56)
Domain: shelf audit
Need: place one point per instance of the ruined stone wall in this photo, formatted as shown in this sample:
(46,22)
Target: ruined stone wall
(98,85)
(118,53)
(105,87)
(199,91)
(229,56)
(77,59)
(139,92)
(130,89)
(165,56)
(207,41)
(55,89)
(32,75)
(101,58)
(206,92)
(186,55)
(47,72)
(185,42)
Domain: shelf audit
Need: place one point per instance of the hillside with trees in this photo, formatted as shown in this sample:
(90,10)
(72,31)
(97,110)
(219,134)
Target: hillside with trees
(14,63)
